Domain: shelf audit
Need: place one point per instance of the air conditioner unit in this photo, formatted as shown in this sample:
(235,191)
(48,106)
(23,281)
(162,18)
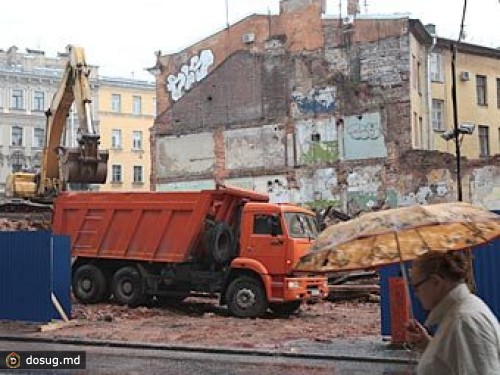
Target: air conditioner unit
(248,38)
(465,76)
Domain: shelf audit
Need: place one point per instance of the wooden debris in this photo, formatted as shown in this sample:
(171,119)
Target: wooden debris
(56,324)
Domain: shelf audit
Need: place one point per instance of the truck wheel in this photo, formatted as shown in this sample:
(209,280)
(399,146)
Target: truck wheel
(127,287)
(221,243)
(285,309)
(89,284)
(246,298)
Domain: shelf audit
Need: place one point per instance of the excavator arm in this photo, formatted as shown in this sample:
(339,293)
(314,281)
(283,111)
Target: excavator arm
(84,163)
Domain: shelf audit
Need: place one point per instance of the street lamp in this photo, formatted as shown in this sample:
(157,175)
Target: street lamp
(461,129)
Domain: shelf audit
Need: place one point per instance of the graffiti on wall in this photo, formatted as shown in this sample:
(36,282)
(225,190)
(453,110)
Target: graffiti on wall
(437,188)
(317,141)
(189,74)
(277,187)
(318,100)
(363,137)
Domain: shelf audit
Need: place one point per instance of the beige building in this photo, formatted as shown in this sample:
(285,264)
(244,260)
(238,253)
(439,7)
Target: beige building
(478,97)
(126,113)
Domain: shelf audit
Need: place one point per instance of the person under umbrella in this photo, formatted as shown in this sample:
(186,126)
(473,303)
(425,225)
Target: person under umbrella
(467,339)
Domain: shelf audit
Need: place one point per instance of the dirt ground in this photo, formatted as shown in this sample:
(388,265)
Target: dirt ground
(201,322)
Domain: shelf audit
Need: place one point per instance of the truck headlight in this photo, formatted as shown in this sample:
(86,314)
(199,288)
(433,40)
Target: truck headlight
(293,284)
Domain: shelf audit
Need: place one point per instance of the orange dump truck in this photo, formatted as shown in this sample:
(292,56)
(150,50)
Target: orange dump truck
(167,245)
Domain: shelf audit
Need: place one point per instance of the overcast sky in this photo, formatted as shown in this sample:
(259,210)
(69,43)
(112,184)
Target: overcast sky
(122,38)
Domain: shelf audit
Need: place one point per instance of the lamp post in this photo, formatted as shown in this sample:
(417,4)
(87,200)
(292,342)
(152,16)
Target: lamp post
(458,129)
(456,132)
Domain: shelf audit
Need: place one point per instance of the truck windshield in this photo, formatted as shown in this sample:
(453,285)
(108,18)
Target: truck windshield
(301,225)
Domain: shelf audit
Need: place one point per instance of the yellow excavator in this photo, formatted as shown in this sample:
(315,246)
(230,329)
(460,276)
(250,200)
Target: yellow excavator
(34,191)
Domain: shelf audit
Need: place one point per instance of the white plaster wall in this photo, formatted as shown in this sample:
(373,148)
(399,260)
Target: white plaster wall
(485,187)
(276,186)
(187,186)
(192,153)
(318,185)
(254,147)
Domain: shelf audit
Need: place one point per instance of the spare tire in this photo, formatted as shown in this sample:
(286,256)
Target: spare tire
(220,244)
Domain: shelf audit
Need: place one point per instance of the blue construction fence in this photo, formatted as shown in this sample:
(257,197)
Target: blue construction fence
(34,267)
(486,260)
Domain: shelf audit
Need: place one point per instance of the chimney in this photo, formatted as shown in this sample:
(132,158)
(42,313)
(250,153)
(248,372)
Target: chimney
(431,29)
(352,7)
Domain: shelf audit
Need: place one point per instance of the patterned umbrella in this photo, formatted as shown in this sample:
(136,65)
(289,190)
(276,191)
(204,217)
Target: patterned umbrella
(397,235)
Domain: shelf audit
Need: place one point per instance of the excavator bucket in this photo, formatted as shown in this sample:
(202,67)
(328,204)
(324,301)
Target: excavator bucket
(76,168)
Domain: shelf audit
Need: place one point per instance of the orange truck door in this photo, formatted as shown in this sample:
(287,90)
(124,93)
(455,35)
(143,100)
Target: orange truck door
(263,246)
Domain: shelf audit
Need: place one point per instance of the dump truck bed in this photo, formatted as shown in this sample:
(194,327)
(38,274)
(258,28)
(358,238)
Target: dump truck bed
(151,226)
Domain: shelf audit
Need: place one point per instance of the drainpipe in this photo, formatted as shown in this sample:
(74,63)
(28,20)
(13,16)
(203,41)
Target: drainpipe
(430,142)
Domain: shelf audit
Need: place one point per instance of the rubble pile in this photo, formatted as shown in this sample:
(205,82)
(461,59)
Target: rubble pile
(28,224)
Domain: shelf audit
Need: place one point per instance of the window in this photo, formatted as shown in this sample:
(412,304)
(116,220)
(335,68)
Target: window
(137,105)
(116,173)
(437,114)
(419,86)
(420,133)
(498,93)
(116,138)
(17,136)
(436,65)
(138,174)
(484,140)
(116,103)
(38,101)
(262,224)
(481,90)
(17,99)
(414,71)
(17,160)
(417,131)
(38,137)
(301,225)
(137,140)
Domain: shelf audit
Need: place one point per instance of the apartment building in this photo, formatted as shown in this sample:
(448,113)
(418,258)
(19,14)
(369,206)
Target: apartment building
(478,97)
(127,109)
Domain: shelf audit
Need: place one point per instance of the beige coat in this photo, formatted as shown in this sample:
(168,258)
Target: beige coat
(467,341)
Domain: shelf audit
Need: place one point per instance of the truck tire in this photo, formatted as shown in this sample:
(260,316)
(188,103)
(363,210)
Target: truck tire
(220,243)
(127,287)
(89,284)
(285,309)
(246,298)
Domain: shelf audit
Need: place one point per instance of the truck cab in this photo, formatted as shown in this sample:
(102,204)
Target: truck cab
(273,238)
